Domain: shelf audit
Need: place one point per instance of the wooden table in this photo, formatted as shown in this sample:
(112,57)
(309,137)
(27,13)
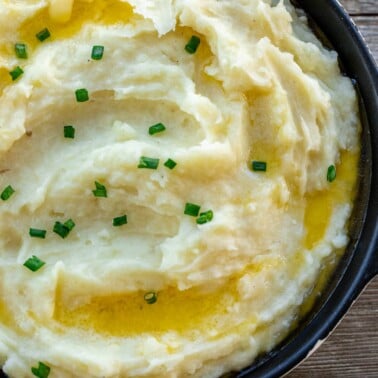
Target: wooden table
(352,349)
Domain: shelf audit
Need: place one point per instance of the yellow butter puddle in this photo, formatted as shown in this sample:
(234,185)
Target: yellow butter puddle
(6,317)
(106,12)
(129,314)
(318,214)
(320,205)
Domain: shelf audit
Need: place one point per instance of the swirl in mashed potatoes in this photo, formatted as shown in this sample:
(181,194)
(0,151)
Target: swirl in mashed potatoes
(189,251)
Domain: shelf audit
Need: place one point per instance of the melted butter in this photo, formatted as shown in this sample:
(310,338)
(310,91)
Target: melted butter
(320,205)
(106,12)
(6,317)
(129,314)
(5,79)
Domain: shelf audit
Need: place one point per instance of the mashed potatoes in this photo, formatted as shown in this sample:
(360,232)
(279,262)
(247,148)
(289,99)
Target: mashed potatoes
(174,175)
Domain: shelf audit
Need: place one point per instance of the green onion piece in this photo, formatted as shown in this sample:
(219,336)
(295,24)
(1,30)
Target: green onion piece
(69,131)
(150,297)
(148,162)
(100,190)
(331,173)
(192,46)
(82,95)
(16,73)
(43,34)
(192,209)
(7,193)
(205,217)
(119,221)
(37,233)
(154,129)
(97,52)
(170,164)
(34,263)
(259,166)
(42,371)
(21,51)
(63,229)
(70,224)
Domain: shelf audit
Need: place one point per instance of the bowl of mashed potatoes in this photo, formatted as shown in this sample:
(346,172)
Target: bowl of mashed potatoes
(178,179)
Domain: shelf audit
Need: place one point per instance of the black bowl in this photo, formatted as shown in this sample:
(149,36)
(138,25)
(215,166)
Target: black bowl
(359,263)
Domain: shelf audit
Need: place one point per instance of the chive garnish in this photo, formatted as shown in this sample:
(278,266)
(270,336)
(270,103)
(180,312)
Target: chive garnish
(170,164)
(34,263)
(37,233)
(70,224)
(43,34)
(63,229)
(16,73)
(331,173)
(100,190)
(192,46)
(150,297)
(97,52)
(154,129)
(82,95)
(69,131)
(21,51)
(192,209)
(7,193)
(259,166)
(148,162)
(42,371)
(205,217)
(119,221)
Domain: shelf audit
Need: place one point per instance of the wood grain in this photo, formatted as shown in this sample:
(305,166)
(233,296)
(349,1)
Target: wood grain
(352,349)
(361,6)
(369,29)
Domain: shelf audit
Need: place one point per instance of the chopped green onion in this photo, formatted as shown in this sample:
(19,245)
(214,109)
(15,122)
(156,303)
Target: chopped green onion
(82,95)
(69,131)
(205,217)
(21,51)
(63,229)
(70,224)
(192,46)
(259,166)
(37,233)
(170,164)
(331,173)
(119,221)
(150,297)
(192,209)
(42,371)
(148,162)
(43,34)
(154,129)
(34,263)
(7,193)
(100,190)
(97,52)
(16,73)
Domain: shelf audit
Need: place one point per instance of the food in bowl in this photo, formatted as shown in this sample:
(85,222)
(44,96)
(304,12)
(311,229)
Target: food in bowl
(174,178)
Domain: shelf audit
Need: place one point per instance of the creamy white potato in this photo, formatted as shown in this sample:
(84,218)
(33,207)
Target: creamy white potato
(259,88)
